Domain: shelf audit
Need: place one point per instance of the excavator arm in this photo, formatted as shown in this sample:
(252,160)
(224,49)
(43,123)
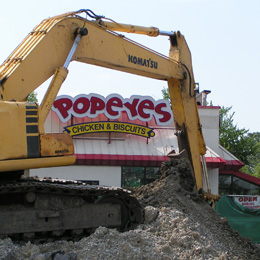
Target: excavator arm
(46,48)
(49,48)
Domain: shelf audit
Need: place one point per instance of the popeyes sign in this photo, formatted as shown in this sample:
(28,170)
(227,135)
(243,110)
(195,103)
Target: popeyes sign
(143,108)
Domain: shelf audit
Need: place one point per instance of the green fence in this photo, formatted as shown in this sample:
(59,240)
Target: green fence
(244,220)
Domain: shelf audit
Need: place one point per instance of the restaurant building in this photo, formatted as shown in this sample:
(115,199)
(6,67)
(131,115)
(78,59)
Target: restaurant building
(123,141)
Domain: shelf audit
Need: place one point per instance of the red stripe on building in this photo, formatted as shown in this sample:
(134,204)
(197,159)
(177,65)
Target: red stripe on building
(234,165)
(120,160)
(136,160)
(215,162)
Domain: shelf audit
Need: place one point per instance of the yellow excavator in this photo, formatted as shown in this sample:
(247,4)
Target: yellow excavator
(30,207)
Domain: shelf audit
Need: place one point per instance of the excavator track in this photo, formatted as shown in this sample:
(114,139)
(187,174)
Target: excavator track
(43,209)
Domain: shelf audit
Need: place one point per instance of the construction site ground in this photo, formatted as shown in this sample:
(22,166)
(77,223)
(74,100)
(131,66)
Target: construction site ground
(179,224)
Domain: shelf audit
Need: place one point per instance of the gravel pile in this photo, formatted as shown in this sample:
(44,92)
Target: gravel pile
(178,225)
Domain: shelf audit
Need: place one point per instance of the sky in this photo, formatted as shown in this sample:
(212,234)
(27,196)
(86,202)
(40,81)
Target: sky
(223,37)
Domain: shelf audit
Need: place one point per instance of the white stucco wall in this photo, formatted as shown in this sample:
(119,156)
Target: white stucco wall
(106,175)
(209,118)
(213,181)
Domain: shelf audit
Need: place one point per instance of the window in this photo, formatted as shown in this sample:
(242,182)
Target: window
(232,185)
(138,176)
(242,187)
(224,184)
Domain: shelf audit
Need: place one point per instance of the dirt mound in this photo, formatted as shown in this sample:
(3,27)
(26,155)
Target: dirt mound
(175,186)
(178,225)
(175,191)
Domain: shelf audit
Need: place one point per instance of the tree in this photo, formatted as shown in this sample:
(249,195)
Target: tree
(254,160)
(257,170)
(32,97)
(166,94)
(244,145)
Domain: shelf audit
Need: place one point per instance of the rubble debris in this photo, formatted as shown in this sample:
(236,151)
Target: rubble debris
(178,225)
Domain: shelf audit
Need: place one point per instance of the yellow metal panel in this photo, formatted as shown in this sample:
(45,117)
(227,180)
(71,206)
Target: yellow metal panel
(108,49)
(52,92)
(56,144)
(22,164)
(12,130)
(150,31)
(185,110)
(36,59)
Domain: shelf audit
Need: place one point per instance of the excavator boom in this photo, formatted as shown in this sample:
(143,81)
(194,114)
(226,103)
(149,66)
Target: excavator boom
(47,51)
(46,48)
